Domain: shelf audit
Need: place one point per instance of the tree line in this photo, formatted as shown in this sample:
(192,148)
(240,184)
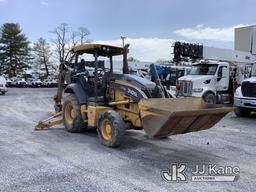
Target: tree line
(17,53)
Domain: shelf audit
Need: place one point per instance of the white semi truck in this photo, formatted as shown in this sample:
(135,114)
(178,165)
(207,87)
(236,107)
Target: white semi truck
(219,73)
(216,74)
(245,96)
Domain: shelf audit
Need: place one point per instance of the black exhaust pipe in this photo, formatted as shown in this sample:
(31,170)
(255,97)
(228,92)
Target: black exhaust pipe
(125,62)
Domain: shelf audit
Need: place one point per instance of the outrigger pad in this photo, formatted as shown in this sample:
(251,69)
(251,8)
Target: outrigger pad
(164,117)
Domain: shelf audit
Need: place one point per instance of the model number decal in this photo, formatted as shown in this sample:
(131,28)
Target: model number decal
(132,92)
(136,95)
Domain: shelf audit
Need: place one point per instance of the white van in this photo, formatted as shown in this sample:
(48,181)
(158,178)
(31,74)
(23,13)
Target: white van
(3,88)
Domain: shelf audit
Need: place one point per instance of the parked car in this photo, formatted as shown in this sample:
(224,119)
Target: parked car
(29,82)
(37,83)
(50,83)
(3,88)
(20,83)
(8,82)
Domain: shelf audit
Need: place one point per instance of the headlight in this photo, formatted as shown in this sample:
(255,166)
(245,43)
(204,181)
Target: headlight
(237,92)
(198,90)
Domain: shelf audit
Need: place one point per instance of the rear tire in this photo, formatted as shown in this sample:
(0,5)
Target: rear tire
(73,119)
(209,98)
(111,128)
(242,112)
(3,92)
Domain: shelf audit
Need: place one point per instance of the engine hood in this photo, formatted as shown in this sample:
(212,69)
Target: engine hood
(251,80)
(196,77)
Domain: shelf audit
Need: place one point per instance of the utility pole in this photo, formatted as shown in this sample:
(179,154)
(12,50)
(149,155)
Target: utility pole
(122,37)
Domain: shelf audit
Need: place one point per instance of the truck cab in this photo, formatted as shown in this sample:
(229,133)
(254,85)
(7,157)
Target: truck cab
(245,96)
(207,79)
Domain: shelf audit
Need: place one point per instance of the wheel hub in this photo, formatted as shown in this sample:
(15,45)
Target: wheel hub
(72,113)
(106,130)
(69,113)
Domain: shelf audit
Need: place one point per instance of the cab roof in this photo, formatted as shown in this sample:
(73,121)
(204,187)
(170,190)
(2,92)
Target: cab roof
(102,50)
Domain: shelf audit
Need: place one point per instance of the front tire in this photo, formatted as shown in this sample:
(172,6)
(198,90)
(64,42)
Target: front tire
(73,119)
(209,98)
(242,112)
(111,128)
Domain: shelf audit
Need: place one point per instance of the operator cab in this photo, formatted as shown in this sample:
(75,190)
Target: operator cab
(94,77)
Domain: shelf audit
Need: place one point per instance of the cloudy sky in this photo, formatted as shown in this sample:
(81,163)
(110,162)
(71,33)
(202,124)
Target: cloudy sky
(149,25)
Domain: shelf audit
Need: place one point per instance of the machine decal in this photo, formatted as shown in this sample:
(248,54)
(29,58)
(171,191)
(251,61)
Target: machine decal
(130,91)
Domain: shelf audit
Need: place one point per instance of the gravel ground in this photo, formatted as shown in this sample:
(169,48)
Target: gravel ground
(56,160)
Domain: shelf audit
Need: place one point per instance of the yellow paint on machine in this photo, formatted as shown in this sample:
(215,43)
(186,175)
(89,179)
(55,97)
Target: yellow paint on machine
(94,114)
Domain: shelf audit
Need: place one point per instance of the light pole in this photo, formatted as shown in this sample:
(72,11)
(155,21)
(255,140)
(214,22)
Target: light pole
(122,37)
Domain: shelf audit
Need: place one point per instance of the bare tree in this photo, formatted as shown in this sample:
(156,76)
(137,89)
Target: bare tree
(62,41)
(42,54)
(66,39)
(132,59)
(82,34)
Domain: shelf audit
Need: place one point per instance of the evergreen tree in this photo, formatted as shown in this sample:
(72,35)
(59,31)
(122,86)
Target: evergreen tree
(14,50)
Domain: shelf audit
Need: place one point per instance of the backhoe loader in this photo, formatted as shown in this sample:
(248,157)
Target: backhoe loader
(113,102)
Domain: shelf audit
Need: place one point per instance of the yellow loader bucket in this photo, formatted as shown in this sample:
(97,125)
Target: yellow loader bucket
(164,117)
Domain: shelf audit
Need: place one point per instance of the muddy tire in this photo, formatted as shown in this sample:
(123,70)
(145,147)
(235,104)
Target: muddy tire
(111,129)
(209,98)
(73,119)
(242,112)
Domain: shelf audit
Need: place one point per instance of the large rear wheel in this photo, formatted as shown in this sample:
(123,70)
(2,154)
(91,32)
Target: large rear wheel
(111,129)
(73,119)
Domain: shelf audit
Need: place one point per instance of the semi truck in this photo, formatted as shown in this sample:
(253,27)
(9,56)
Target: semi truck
(221,75)
(245,96)
(216,72)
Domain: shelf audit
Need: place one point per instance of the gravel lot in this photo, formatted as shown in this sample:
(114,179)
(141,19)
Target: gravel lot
(56,160)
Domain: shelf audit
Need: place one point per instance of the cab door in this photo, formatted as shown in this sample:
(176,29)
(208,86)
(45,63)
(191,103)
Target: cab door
(222,80)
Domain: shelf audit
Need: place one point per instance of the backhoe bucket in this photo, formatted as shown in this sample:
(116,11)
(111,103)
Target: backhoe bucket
(164,117)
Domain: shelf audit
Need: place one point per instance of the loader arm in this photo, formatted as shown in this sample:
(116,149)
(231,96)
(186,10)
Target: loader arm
(156,79)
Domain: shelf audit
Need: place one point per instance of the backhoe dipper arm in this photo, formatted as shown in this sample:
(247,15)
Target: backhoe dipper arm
(58,96)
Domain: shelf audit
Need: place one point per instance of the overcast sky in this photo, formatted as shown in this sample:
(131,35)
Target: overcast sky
(150,25)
